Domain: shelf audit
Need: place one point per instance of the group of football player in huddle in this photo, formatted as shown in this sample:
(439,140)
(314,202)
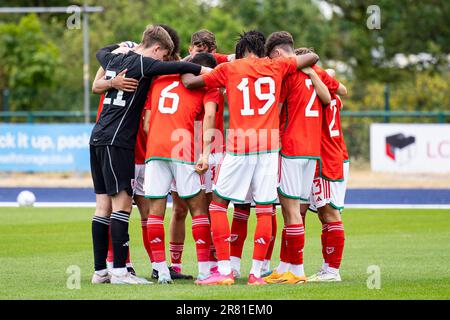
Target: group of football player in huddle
(160,131)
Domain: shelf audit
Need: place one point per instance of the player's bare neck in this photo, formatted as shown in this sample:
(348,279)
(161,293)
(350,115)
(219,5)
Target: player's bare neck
(146,52)
(251,55)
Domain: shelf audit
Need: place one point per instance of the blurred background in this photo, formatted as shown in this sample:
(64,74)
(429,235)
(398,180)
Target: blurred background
(393,56)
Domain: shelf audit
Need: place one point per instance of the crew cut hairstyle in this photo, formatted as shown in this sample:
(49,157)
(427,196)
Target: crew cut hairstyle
(252,41)
(174,36)
(281,39)
(301,51)
(157,35)
(205,59)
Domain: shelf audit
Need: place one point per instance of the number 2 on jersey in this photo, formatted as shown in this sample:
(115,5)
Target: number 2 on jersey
(308,111)
(269,97)
(333,132)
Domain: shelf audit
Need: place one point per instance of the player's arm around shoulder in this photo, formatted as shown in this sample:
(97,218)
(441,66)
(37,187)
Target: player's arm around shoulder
(322,91)
(306,60)
(191,81)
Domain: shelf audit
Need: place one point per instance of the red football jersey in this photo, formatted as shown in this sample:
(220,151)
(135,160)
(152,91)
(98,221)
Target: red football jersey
(218,143)
(331,152)
(141,142)
(174,111)
(301,115)
(100,107)
(253,87)
(221,58)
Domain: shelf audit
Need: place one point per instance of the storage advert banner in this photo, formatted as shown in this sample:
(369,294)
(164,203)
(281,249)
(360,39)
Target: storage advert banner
(418,148)
(44,147)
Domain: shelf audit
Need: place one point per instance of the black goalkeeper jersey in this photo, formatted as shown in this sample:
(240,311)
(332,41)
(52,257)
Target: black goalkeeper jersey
(120,118)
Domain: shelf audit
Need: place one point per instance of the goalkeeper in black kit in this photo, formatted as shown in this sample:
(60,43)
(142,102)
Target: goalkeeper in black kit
(112,144)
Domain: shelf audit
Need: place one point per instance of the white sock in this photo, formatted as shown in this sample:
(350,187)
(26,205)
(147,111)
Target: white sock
(297,269)
(212,264)
(102,273)
(256,268)
(119,272)
(203,268)
(129,265)
(161,267)
(325,266)
(224,267)
(266,266)
(283,267)
(235,263)
(332,270)
(109,265)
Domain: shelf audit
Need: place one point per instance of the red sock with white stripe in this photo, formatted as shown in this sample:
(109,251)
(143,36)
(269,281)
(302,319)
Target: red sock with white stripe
(155,230)
(323,239)
(202,236)
(145,240)
(269,253)
(263,233)
(284,254)
(212,256)
(335,245)
(176,253)
(238,236)
(295,238)
(220,228)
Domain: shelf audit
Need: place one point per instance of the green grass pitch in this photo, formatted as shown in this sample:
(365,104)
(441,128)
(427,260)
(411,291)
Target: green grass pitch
(411,248)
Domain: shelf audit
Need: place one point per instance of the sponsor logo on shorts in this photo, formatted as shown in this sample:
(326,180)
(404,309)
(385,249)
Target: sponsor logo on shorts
(330,250)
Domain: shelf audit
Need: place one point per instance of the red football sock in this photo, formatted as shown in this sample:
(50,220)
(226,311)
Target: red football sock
(155,230)
(220,228)
(323,238)
(263,231)
(274,234)
(128,257)
(238,231)
(110,257)
(145,239)
(295,238)
(176,252)
(284,253)
(335,244)
(201,231)
(212,251)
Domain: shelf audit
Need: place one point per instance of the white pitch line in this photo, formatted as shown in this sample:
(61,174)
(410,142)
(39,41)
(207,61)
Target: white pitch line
(58,205)
(169,205)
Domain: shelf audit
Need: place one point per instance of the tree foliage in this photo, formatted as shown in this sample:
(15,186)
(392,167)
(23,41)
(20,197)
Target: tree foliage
(42,59)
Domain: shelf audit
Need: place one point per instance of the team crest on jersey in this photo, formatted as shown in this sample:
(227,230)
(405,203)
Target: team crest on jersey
(233,237)
(330,250)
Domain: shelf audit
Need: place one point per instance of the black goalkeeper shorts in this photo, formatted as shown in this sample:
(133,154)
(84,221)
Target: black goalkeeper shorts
(112,169)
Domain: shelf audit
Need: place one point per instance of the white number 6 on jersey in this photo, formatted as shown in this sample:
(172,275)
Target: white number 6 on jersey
(165,93)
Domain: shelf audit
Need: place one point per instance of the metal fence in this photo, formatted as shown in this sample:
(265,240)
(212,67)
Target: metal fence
(78,116)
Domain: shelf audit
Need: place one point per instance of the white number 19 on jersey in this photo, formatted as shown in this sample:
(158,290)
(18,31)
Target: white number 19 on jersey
(268,97)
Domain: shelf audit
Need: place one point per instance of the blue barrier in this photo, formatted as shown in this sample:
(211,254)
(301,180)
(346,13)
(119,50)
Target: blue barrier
(44,147)
(353,197)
